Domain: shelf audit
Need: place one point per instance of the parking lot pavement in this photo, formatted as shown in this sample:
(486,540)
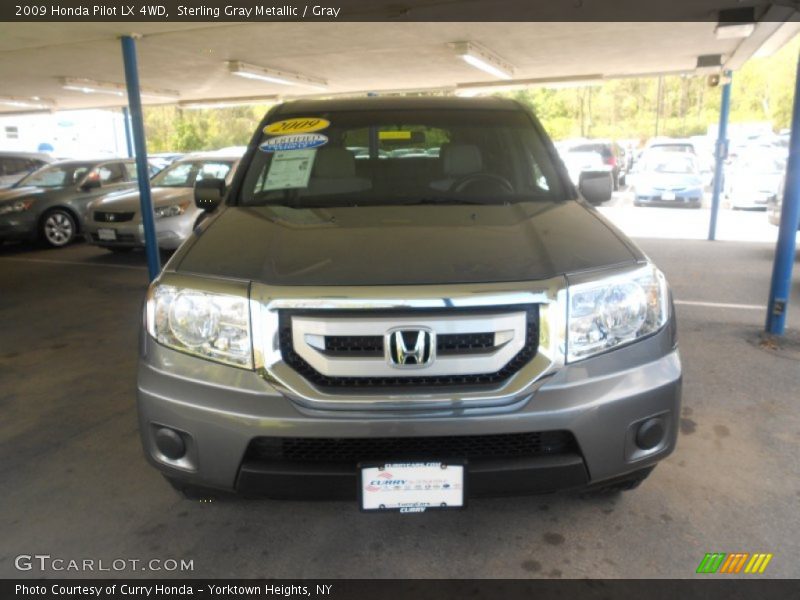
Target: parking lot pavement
(686,223)
(76,485)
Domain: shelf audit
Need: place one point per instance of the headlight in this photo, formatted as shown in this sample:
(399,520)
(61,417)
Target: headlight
(15,207)
(173,210)
(205,324)
(614,311)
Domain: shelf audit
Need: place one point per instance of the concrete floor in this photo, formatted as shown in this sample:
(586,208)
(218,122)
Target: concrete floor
(75,483)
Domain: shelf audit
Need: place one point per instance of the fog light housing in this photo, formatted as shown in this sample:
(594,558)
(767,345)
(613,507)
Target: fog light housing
(170,443)
(650,433)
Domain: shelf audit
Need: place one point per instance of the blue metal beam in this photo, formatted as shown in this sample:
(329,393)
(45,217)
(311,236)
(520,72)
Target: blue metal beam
(781,286)
(143,175)
(128,141)
(720,153)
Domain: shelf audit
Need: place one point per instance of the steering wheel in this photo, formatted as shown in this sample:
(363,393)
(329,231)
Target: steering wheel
(498,182)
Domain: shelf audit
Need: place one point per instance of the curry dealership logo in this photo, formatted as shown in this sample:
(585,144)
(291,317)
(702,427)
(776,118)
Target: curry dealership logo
(737,562)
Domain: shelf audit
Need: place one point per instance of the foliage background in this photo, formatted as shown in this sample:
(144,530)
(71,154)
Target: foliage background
(619,109)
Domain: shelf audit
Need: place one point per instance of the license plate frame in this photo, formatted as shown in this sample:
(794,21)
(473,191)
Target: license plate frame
(413,503)
(105,234)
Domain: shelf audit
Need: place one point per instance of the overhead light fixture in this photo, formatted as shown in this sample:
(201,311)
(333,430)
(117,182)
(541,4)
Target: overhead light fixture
(735,23)
(484,59)
(89,86)
(34,102)
(247,71)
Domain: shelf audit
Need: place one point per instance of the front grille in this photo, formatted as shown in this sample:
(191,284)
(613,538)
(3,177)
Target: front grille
(450,344)
(372,345)
(112,217)
(463,343)
(354,345)
(355,450)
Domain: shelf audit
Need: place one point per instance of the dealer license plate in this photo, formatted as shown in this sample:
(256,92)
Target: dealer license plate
(668,196)
(412,487)
(107,234)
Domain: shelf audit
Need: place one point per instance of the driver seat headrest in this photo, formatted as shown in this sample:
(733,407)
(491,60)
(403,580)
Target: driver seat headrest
(461,159)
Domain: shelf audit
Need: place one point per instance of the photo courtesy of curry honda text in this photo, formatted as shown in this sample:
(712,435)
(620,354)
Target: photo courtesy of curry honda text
(406,302)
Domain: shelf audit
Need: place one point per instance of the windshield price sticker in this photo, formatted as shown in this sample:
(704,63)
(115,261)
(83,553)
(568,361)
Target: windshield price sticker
(290,169)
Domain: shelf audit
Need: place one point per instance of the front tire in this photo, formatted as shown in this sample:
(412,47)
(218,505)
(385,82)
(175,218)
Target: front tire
(58,228)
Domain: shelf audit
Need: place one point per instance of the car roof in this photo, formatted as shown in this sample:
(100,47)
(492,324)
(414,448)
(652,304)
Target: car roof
(88,161)
(671,142)
(12,154)
(312,106)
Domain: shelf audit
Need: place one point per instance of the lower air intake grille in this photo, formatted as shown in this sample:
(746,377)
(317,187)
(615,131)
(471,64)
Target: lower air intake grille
(354,450)
(113,217)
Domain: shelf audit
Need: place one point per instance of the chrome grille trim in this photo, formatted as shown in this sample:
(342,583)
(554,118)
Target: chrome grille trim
(306,331)
(267,302)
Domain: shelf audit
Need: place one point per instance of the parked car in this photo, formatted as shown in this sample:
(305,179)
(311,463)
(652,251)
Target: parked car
(775,206)
(15,165)
(115,220)
(160,161)
(699,146)
(50,204)
(754,180)
(667,179)
(355,327)
(613,155)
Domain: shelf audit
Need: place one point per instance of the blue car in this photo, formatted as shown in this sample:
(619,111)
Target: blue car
(668,179)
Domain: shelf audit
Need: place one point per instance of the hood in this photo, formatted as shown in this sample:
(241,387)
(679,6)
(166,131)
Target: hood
(403,245)
(128,200)
(28,191)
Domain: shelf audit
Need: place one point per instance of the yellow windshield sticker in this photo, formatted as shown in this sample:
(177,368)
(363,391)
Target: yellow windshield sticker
(296,125)
(394,135)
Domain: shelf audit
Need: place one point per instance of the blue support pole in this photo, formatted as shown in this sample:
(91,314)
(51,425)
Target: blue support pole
(128,141)
(720,154)
(137,125)
(781,286)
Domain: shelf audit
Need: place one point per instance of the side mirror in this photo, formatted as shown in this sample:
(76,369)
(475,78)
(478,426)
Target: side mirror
(91,183)
(208,193)
(596,186)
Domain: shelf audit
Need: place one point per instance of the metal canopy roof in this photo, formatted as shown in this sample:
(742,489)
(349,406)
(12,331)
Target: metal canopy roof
(355,57)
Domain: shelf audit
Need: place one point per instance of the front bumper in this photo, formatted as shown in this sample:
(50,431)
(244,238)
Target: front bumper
(755,200)
(171,232)
(18,226)
(599,401)
(689,197)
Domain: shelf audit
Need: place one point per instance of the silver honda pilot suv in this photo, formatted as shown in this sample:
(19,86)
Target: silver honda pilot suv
(407,303)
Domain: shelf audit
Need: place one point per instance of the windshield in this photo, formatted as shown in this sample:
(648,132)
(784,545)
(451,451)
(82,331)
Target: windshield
(384,157)
(184,174)
(678,164)
(57,176)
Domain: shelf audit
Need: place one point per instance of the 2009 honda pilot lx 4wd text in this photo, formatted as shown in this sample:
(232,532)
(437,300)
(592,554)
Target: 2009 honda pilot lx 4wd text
(406,301)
